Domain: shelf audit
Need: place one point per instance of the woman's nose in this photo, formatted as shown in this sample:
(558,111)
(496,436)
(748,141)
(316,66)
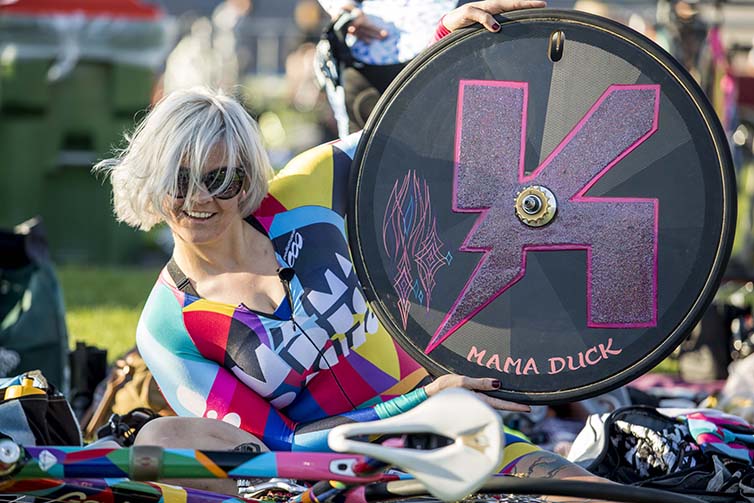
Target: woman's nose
(202,195)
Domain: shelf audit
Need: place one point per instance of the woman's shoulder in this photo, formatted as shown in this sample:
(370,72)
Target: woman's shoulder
(316,177)
(321,156)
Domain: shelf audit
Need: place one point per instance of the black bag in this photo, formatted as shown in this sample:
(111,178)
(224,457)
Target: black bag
(88,368)
(38,419)
(638,445)
(33,334)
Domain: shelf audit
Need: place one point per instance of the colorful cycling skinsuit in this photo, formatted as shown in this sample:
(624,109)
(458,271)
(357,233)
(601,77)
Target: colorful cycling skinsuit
(288,382)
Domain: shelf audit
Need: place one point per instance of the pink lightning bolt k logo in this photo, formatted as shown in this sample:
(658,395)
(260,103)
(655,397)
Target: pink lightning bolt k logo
(619,235)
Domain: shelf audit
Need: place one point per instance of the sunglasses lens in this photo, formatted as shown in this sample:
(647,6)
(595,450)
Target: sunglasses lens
(214,181)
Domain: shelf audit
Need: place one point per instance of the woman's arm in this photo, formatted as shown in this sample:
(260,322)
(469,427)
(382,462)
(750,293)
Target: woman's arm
(480,12)
(483,13)
(197,386)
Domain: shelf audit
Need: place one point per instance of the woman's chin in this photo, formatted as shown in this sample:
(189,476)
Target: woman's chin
(198,234)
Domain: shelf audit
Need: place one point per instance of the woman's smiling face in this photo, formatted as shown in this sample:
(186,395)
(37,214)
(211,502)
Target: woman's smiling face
(209,217)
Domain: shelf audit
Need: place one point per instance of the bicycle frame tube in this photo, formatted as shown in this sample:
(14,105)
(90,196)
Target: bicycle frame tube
(152,463)
(107,490)
(54,473)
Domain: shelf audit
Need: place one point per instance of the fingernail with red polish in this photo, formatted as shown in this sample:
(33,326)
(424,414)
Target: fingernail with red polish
(496,384)
(495,26)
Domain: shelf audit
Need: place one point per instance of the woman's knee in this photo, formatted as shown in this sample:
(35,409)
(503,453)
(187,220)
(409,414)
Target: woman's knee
(195,433)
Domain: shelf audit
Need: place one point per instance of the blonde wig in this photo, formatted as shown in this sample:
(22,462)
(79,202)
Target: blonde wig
(180,132)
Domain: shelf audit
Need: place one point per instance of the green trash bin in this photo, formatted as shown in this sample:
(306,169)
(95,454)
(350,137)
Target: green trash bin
(71,83)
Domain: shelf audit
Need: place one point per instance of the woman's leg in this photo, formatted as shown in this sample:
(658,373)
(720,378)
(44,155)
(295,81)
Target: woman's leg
(548,465)
(198,433)
(521,458)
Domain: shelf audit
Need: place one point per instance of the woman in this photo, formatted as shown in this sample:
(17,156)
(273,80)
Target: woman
(383,37)
(258,320)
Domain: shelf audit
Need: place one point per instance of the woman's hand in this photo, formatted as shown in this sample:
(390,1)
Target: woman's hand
(475,384)
(483,12)
(363,28)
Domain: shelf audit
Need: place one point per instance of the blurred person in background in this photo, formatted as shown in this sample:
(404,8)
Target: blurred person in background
(594,7)
(209,54)
(683,33)
(383,37)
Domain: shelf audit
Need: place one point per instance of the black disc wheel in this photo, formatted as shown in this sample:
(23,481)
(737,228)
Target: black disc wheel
(551,205)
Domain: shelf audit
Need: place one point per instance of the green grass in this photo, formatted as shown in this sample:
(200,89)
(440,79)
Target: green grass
(667,366)
(743,224)
(103,304)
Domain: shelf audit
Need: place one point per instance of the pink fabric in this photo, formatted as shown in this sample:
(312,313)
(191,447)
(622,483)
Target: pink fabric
(441,31)
(648,381)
